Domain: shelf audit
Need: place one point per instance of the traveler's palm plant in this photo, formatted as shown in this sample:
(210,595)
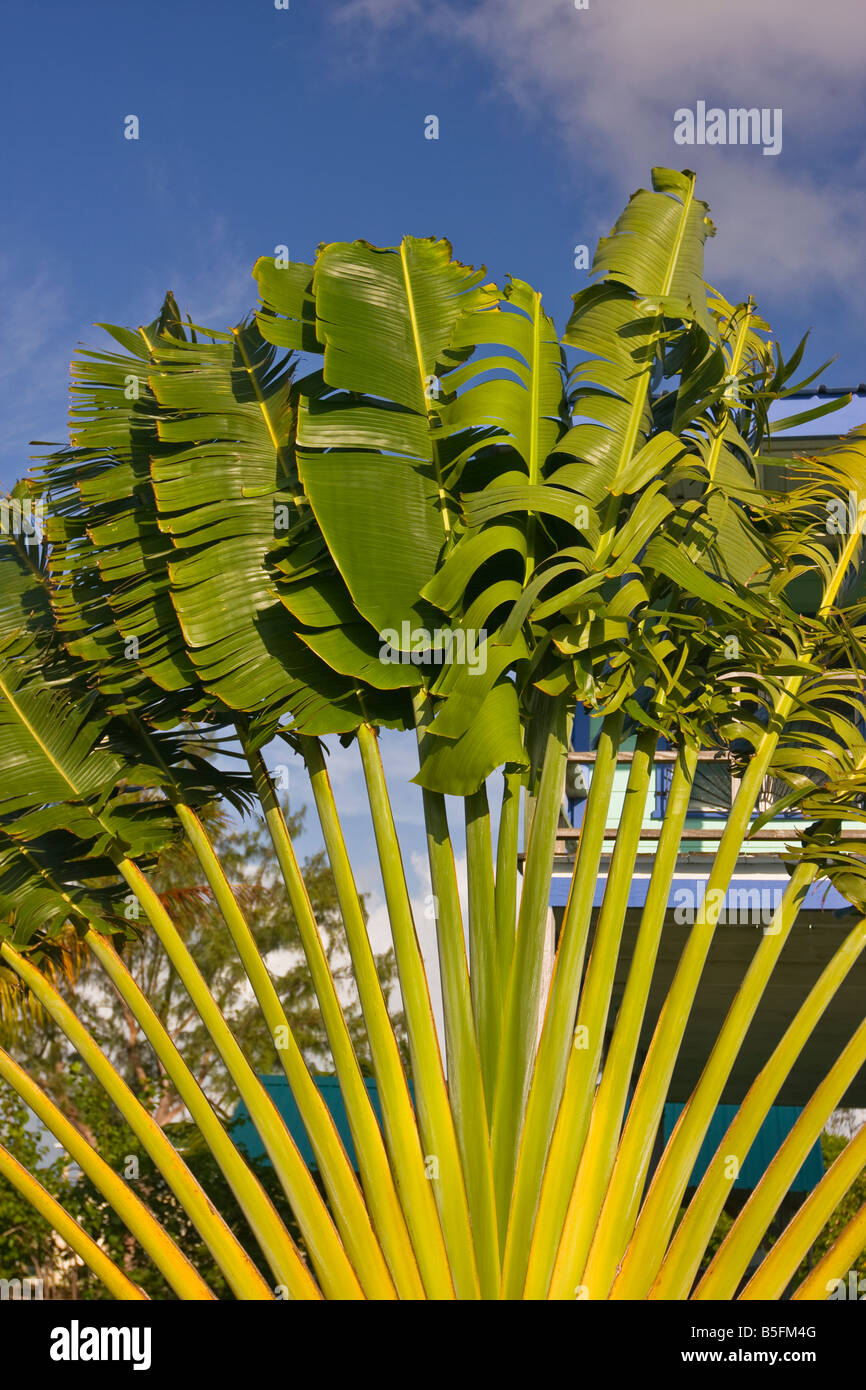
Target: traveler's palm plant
(235,551)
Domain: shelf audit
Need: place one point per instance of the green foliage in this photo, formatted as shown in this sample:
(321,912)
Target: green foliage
(27,1246)
(178,879)
(26,1242)
(235,550)
(831,1147)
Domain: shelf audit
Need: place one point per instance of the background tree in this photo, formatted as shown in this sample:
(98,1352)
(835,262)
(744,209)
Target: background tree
(243,848)
(27,1243)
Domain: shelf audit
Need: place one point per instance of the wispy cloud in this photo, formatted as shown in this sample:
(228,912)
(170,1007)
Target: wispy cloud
(40,331)
(34,353)
(214,286)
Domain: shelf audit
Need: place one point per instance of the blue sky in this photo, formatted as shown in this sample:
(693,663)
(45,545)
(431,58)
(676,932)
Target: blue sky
(260,127)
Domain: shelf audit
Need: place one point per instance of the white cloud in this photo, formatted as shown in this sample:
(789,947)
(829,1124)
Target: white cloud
(608,80)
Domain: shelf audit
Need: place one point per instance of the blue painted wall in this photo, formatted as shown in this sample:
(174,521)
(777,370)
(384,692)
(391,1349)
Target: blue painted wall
(776,1128)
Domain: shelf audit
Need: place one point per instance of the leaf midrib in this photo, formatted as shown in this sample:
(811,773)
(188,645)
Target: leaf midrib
(639,401)
(10,697)
(419,355)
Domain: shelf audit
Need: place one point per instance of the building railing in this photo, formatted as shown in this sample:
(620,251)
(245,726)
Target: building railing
(772,790)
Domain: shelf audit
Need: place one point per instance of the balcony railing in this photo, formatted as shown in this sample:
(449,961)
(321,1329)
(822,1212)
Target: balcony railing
(715,787)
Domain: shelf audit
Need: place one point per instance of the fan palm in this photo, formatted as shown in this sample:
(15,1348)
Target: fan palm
(231,547)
